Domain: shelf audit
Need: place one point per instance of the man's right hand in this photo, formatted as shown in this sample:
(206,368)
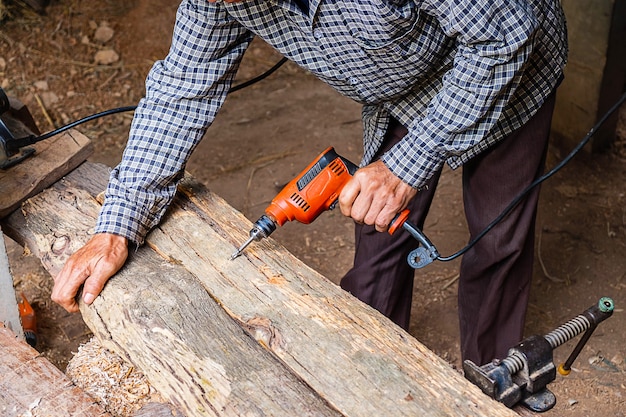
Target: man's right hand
(91,266)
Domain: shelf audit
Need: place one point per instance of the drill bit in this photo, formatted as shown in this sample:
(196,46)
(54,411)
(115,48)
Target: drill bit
(240,250)
(262,228)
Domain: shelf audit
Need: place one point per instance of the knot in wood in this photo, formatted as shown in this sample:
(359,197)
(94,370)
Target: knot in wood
(264,332)
(60,244)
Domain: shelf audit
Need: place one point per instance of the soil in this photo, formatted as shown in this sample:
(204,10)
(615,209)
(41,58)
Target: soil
(267,133)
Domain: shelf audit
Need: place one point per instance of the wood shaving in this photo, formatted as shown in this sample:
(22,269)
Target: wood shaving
(114,383)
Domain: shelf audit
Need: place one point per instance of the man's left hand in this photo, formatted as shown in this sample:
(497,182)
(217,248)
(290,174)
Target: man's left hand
(374,196)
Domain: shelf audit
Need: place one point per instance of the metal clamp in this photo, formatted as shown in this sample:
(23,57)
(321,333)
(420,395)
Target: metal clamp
(524,374)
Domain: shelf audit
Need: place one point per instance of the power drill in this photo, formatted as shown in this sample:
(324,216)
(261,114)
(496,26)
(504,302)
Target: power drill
(313,191)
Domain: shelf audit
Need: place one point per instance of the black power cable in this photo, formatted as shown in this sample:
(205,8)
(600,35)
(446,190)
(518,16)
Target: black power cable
(15,144)
(538,181)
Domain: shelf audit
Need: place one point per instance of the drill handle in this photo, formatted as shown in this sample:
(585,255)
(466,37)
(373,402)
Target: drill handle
(352,168)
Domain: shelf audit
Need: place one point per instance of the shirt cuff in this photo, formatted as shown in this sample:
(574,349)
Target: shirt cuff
(413,163)
(123,218)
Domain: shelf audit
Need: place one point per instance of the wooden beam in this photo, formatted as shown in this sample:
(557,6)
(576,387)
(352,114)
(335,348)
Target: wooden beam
(263,334)
(32,386)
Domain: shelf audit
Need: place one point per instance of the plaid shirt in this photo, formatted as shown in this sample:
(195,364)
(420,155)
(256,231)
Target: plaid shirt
(460,75)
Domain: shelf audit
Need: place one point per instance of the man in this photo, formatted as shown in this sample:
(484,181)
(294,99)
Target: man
(470,83)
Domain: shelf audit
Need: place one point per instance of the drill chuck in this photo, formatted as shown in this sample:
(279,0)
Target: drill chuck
(262,228)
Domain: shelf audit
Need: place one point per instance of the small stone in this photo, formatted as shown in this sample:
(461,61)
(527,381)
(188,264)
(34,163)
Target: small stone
(106,57)
(103,34)
(49,98)
(3,64)
(41,85)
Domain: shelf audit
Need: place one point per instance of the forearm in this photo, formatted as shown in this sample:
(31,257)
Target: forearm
(183,95)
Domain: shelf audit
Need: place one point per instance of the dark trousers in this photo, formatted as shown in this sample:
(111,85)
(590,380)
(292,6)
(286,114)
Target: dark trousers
(495,276)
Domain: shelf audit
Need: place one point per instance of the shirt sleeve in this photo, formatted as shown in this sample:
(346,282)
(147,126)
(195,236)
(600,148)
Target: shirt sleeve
(493,44)
(183,95)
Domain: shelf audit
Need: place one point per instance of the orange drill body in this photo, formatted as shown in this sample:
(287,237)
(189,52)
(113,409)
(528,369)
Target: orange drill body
(313,191)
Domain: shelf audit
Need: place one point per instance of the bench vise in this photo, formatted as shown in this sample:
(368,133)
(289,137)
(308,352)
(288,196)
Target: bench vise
(523,375)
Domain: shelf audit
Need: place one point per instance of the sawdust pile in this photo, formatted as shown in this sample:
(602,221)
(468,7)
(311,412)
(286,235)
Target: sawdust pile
(112,382)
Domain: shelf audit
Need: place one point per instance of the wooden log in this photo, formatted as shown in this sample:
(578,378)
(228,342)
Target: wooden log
(188,347)
(32,386)
(255,335)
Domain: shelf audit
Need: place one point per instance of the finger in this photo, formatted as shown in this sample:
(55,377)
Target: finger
(347,196)
(93,287)
(384,218)
(373,212)
(66,287)
(104,269)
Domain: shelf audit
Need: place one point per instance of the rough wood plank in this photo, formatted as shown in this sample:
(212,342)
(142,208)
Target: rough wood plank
(370,365)
(31,386)
(53,158)
(349,354)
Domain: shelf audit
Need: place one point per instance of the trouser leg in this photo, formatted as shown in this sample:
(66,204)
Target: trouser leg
(496,273)
(381,276)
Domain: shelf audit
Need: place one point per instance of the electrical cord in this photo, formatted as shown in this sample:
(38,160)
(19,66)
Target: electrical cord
(538,181)
(29,140)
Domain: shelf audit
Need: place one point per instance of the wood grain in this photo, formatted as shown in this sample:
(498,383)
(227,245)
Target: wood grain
(53,158)
(32,386)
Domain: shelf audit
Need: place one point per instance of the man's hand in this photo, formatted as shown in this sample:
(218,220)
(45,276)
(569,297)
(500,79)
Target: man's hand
(91,265)
(375,195)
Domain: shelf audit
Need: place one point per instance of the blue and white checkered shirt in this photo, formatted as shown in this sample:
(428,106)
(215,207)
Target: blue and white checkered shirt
(460,75)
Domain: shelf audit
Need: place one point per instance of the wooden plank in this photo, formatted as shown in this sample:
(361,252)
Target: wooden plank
(53,158)
(352,357)
(32,386)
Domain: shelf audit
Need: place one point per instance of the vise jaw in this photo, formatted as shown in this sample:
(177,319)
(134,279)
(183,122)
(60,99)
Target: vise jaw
(521,377)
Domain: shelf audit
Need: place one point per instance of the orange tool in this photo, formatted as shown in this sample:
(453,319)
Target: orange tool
(29,321)
(315,190)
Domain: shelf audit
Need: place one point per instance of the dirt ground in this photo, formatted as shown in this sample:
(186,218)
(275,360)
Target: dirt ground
(267,133)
